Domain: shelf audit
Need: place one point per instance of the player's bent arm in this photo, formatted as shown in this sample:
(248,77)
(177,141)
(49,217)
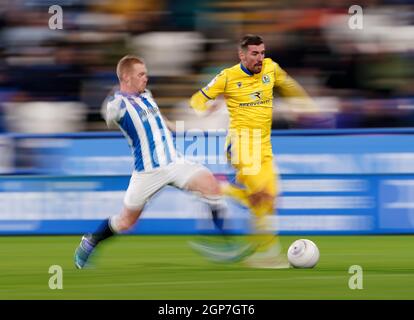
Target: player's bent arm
(295,92)
(209,107)
(113,111)
(290,89)
(201,100)
(111,124)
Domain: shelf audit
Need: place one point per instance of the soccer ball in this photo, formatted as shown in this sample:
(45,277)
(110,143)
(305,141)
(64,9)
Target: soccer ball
(303,253)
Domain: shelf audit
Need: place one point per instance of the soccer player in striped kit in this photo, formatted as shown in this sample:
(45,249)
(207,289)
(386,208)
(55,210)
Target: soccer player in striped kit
(133,110)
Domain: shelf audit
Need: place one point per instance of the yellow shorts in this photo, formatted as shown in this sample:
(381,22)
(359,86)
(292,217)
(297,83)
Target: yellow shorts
(264,180)
(255,172)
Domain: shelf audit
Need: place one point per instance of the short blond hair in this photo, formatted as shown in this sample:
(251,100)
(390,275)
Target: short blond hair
(125,64)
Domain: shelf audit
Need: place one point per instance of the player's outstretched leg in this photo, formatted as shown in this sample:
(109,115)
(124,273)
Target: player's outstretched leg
(90,241)
(106,229)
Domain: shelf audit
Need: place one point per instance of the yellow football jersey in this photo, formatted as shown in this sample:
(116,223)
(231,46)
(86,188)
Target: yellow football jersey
(249,97)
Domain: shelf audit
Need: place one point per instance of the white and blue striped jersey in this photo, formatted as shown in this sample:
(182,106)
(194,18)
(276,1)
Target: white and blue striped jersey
(140,120)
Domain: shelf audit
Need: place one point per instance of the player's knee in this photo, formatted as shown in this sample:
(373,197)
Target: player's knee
(211,184)
(263,199)
(205,184)
(268,201)
(212,187)
(253,199)
(268,198)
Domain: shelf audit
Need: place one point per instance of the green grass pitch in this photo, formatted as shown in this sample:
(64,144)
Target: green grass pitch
(165,267)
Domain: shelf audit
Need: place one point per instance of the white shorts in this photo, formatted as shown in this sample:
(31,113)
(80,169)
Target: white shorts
(143,185)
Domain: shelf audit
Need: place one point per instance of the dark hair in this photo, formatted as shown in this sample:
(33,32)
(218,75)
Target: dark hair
(250,39)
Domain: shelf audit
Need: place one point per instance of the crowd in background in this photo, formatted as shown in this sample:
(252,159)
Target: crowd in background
(56,80)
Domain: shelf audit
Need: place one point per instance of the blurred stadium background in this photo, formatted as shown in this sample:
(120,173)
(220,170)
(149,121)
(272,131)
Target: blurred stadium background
(364,78)
(62,170)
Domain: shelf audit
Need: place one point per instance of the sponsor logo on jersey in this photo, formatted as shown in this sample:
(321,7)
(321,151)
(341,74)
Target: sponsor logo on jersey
(256,95)
(256,103)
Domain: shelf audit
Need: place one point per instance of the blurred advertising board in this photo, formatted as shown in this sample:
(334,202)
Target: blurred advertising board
(331,183)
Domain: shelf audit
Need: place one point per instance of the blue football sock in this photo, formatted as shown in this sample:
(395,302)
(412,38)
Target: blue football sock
(103,231)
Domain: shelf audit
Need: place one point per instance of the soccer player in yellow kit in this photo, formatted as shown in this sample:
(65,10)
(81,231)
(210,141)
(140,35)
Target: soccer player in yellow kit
(248,91)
